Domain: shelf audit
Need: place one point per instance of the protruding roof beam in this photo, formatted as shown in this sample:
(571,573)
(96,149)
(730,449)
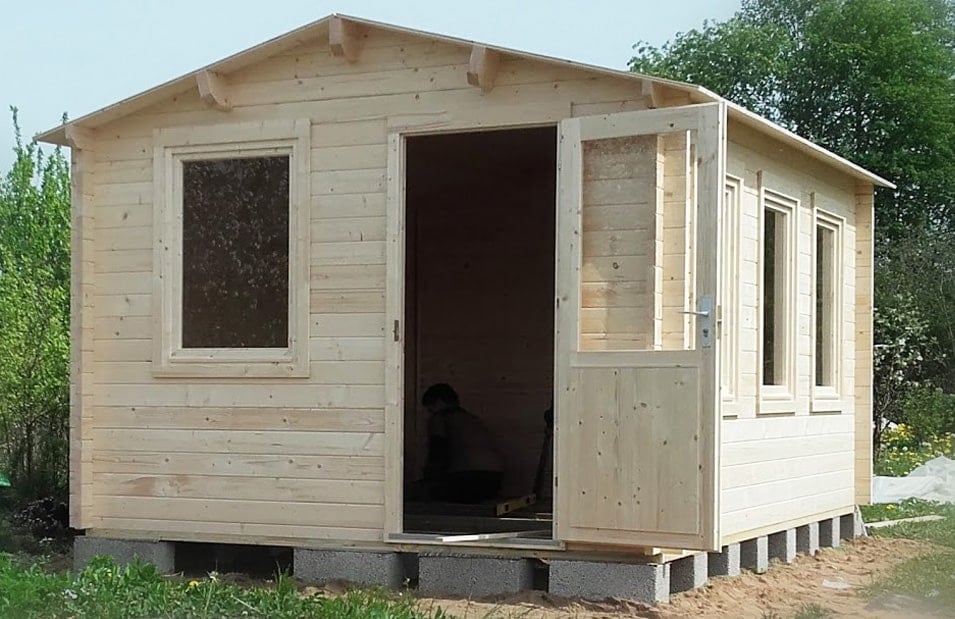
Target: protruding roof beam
(345,38)
(482,71)
(654,93)
(213,90)
(78,137)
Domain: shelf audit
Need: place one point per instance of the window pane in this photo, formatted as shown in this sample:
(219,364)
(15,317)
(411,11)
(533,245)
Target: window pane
(825,306)
(775,310)
(235,244)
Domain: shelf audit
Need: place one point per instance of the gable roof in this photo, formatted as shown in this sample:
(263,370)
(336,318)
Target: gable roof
(310,32)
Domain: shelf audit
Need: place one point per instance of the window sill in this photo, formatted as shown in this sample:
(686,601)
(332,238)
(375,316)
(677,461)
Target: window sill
(729,408)
(233,364)
(776,402)
(826,400)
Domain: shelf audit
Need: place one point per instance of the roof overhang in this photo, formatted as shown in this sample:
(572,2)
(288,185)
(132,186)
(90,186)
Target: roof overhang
(62,134)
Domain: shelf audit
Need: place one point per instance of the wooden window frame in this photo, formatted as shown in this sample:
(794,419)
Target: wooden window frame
(172,146)
(781,398)
(828,398)
(729,309)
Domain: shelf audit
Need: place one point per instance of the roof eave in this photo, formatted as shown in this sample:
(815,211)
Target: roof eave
(802,144)
(698,94)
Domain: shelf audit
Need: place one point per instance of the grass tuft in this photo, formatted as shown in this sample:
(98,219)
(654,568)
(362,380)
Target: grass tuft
(812,611)
(106,591)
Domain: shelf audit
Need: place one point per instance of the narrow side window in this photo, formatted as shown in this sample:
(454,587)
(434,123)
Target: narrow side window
(827,307)
(778,302)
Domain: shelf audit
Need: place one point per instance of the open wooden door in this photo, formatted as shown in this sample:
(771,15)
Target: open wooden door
(637,430)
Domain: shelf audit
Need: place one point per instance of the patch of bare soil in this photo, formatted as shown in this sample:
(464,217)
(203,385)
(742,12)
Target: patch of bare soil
(833,580)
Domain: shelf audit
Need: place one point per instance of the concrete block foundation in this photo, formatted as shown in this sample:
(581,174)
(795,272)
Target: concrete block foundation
(829,535)
(689,573)
(807,539)
(754,554)
(124,551)
(851,525)
(383,569)
(782,546)
(473,576)
(644,582)
(725,562)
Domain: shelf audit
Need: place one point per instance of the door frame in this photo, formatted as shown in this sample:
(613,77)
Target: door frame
(395,291)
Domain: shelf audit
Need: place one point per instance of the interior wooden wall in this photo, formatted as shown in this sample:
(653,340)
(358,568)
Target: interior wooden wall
(637,252)
(621,283)
(797,465)
(483,260)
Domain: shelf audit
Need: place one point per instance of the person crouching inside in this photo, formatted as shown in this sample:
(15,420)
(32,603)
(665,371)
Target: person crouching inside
(463,464)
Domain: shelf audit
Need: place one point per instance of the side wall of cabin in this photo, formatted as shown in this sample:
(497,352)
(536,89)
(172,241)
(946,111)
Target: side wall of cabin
(789,461)
(263,459)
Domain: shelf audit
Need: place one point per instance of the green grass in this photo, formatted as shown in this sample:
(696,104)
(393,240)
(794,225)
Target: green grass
(105,591)
(930,577)
(941,532)
(908,508)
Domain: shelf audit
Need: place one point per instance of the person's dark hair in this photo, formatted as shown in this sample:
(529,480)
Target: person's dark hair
(440,391)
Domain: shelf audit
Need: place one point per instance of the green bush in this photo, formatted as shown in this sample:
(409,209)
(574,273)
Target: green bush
(929,412)
(34,322)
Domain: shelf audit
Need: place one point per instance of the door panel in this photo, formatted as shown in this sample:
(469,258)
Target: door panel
(637,422)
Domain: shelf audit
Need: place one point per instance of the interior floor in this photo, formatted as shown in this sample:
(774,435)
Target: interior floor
(480,262)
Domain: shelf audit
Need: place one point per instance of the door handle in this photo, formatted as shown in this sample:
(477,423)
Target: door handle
(704,325)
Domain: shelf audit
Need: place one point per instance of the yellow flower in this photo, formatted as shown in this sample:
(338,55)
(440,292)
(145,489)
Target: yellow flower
(193,584)
(887,507)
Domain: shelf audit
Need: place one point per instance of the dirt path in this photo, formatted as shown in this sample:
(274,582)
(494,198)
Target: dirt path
(781,592)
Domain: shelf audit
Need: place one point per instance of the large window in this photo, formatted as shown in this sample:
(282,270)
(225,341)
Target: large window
(231,250)
(827,306)
(778,299)
(235,252)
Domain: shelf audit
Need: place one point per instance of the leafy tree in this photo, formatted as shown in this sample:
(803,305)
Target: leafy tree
(902,343)
(871,80)
(921,267)
(34,320)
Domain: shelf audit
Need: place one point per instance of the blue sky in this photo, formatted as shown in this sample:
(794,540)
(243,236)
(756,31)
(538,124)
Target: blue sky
(77,56)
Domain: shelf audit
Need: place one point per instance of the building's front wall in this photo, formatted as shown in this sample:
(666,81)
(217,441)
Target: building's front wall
(788,461)
(292,459)
(279,458)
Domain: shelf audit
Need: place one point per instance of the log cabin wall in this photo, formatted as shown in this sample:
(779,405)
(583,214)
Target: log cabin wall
(786,460)
(259,459)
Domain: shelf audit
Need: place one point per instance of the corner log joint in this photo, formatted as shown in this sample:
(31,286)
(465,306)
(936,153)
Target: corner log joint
(482,70)
(345,38)
(78,138)
(213,90)
(653,93)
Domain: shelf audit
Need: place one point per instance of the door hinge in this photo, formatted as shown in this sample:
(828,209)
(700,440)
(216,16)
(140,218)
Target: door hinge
(397,330)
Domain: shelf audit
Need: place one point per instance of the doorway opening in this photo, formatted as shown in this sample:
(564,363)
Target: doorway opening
(480,213)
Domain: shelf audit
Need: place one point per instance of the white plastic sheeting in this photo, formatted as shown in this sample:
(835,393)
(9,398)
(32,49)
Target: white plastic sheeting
(933,481)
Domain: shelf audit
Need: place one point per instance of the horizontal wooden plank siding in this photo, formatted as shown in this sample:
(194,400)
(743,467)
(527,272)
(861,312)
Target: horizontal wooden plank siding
(794,462)
(273,458)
